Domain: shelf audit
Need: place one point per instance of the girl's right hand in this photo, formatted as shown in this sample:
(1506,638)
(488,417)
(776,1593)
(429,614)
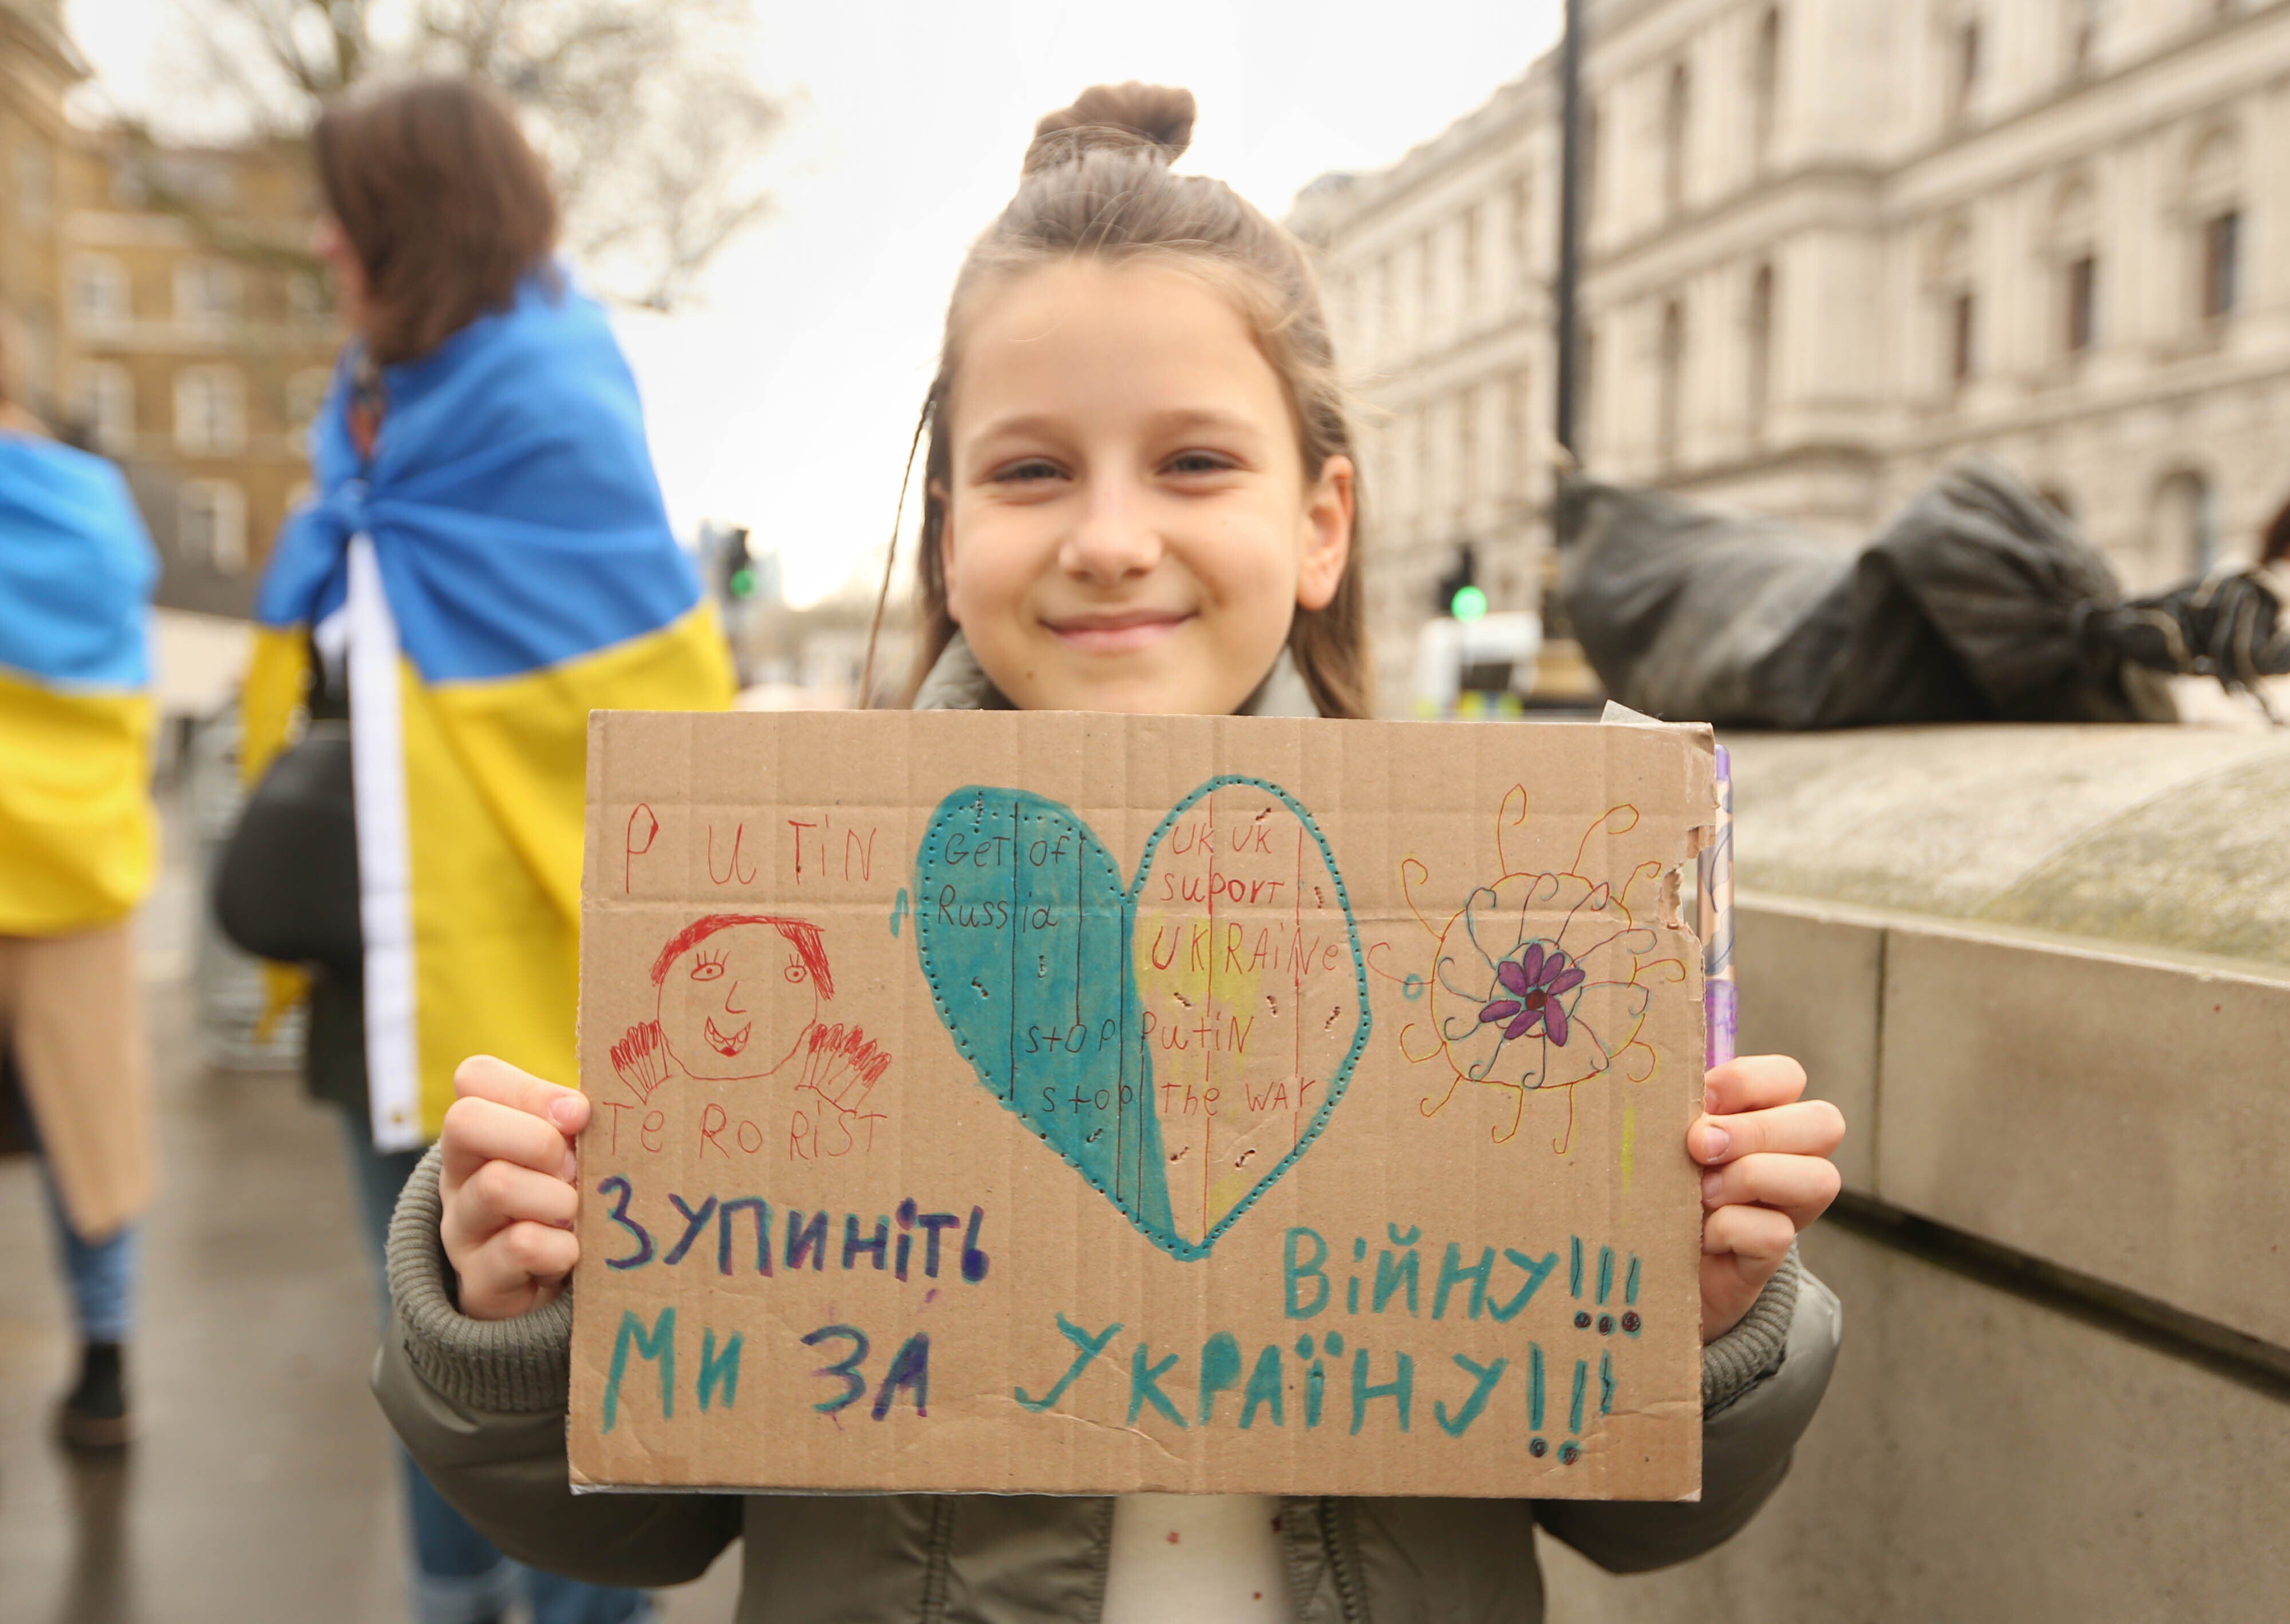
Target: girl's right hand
(508,1181)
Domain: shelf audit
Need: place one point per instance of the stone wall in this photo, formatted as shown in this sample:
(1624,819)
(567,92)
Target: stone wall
(2045,973)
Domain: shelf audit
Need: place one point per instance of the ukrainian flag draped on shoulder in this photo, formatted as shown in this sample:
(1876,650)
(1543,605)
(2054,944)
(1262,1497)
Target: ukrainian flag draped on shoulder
(501,567)
(76,571)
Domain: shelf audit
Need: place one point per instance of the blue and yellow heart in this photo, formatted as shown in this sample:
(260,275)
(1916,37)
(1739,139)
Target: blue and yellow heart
(1180,1041)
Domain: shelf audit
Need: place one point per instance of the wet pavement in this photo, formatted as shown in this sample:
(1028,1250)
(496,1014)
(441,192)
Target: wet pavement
(260,1487)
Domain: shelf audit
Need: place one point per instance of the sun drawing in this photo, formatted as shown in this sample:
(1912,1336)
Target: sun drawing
(1540,981)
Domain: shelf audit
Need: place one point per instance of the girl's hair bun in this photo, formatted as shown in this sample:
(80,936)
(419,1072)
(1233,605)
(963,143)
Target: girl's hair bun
(1155,118)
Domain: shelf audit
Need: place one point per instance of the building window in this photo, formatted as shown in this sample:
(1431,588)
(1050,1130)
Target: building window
(2074,263)
(1760,325)
(2186,523)
(2209,210)
(1518,455)
(1389,301)
(1673,382)
(210,524)
(1590,161)
(1956,309)
(105,402)
(35,373)
(306,392)
(2222,268)
(1522,235)
(2086,21)
(1964,68)
(1419,478)
(305,296)
(1586,391)
(206,294)
(1765,87)
(1468,461)
(210,411)
(1678,111)
(1427,291)
(34,187)
(99,293)
(2082,303)
(1472,245)
(176,179)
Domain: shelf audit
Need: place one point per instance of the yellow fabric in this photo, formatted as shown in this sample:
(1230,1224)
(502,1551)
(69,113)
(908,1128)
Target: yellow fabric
(277,684)
(275,681)
(77,837)
(496,778)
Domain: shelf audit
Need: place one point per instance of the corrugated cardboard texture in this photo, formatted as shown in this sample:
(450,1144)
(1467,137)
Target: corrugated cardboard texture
(1093,1104)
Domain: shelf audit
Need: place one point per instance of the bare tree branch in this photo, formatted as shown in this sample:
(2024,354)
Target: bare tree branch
(651,134)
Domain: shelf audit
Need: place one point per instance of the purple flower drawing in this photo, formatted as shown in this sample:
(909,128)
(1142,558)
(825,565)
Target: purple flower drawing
(1536,981)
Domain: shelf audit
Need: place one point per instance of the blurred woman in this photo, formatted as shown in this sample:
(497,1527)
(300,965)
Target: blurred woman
(76,848)
(488,559)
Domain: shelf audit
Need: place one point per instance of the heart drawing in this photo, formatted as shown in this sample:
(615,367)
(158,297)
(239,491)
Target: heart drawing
(1180,1041)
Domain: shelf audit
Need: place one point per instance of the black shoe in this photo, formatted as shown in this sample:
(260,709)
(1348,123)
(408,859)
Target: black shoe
(94,1416)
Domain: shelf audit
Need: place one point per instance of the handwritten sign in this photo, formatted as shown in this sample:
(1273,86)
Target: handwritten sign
(1093,1104)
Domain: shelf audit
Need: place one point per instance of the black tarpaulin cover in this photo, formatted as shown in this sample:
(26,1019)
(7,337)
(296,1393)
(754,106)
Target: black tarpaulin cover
(1977,602)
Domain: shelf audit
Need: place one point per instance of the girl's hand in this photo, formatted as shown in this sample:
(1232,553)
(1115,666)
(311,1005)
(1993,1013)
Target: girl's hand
(509,1189)
(1768,1175)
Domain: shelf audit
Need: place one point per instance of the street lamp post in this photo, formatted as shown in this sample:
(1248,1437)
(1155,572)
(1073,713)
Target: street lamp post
(1571,181)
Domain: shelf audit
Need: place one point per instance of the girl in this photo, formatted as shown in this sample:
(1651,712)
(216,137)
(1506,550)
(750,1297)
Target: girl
(1140,497)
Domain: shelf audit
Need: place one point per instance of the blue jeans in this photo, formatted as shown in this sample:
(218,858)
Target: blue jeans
(101,1272)
(459,1576)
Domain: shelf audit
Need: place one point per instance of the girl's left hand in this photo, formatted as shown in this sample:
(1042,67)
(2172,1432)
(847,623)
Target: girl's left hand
(1764,1153)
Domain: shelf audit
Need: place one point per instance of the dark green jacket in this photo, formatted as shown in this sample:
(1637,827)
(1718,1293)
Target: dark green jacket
(482,1407)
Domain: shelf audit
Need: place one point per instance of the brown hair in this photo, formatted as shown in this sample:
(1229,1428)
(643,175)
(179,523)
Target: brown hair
(445,204)
(801,934)
(1096,183)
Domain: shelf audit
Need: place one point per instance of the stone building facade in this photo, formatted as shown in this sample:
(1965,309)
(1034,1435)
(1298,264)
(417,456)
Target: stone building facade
(1832,245)
(165,311)
(38,149)
(198,351)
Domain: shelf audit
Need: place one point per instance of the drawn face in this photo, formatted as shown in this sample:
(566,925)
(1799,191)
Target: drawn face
(736,1004)
(1130,526)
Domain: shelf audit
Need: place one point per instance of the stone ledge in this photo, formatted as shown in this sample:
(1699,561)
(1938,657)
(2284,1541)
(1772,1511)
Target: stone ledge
(1979,1458)
(2146,837)
(2117,1112)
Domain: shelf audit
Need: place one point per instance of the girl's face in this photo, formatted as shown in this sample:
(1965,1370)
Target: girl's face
(1129,526)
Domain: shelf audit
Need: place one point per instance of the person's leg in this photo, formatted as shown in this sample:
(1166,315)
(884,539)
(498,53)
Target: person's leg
(94,1415)
(458,1577)
(101,1275)
(75,1070)
(568,1601)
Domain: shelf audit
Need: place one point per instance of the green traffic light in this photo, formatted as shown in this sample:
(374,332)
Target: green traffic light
(1468,603)
(743,582)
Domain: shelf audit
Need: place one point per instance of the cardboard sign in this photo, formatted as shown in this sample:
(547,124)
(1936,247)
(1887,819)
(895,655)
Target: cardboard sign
(1093,1104)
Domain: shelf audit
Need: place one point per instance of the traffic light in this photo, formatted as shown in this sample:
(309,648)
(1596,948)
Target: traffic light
(738,567)
(1458,595)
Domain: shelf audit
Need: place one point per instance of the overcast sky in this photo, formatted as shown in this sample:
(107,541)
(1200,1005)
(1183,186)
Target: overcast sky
(785,399)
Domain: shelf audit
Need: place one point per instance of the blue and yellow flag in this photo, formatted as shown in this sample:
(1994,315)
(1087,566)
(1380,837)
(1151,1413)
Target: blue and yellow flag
(76,571)
(500,567)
